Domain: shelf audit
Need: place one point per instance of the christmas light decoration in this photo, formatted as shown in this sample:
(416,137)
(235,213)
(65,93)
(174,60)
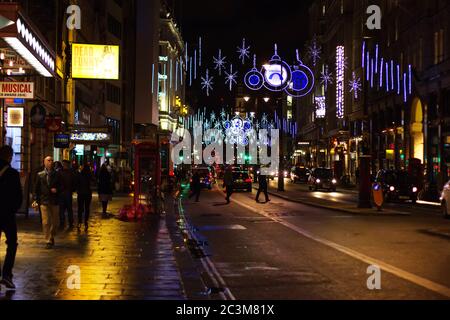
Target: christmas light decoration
(340,54)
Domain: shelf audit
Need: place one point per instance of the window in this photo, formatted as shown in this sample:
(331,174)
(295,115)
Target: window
(439,54)
(113,93)
(115,127)
(114,27)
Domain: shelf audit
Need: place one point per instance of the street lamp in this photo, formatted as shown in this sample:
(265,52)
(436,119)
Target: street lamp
(247,99)
(266,99)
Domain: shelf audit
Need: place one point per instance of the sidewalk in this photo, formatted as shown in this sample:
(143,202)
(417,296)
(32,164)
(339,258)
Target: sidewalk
(117,260)
(330,203)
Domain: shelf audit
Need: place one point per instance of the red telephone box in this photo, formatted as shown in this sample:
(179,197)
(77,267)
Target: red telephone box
(147,173)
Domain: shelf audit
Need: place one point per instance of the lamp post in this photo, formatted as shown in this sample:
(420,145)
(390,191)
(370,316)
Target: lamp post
(281,144)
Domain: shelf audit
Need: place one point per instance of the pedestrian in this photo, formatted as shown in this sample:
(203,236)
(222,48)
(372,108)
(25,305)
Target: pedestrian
(262,181)
(11,200)
(228,183)
(46,195)
(57,166)
(67,178)
(105,190)
(195,187)
(84,192)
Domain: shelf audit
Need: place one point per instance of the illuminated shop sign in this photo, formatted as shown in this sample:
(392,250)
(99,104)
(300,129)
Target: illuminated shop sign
(24,39)
(17,90)
(320,107)
(95,61)
(96,137)
(62,141)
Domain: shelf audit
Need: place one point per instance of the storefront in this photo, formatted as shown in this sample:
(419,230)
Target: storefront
(25,58)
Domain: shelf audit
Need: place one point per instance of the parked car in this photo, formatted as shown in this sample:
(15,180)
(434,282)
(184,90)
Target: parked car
(242,181)
(445,200)
(322,178)
(206,177)
(397,185)
(300,174)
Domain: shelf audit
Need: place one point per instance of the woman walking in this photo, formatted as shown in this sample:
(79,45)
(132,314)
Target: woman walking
(84,192)
(105,190)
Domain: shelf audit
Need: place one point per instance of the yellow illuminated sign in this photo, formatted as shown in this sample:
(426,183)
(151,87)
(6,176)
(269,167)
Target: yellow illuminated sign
(95,61)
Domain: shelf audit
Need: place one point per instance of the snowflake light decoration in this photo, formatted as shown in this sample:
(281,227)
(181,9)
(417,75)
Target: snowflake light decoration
(345,63)
(207,83)
(355,85)
(219,62)
(223,114)
(326,78)
(244,52)
(314,51)
(231,77)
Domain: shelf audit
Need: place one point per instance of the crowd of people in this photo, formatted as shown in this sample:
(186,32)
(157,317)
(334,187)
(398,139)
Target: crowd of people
(53,191)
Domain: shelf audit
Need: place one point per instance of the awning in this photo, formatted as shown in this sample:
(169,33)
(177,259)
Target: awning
(26,40)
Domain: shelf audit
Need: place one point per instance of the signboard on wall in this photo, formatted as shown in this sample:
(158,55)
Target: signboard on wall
(95,61)
(62,141)
(15,117)
(17,90)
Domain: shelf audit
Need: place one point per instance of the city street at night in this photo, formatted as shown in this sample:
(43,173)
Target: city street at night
(225,159)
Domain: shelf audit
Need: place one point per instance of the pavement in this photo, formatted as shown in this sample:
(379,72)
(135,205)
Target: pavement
(116,260)
(344,200)
(291,251)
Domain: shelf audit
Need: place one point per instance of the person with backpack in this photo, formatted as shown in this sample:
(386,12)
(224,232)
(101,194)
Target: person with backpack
(84,191)
(67,177)
(11,199)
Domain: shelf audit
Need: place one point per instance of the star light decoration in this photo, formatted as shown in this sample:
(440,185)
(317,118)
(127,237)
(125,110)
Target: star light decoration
(207,83)
(314,51)
(231,77)
(355,85)
(326,78)
(244,52)
(219,62)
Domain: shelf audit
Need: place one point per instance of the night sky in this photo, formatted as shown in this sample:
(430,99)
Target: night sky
(223,24)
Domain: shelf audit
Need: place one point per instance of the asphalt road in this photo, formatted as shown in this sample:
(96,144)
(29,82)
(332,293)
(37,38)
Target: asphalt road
(286,250)
(349,196)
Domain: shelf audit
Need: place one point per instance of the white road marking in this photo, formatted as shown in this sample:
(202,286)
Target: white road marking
(428,284)
(208,265)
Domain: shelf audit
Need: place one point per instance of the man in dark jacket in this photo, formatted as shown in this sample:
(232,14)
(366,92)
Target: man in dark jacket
(46,195)
(11,200)
(67,177)
(196,187)
(262,180)
(228,183)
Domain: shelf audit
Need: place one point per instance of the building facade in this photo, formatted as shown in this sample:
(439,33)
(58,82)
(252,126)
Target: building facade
(398,114)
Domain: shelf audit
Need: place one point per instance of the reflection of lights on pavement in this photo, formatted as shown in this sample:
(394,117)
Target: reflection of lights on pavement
(436,204)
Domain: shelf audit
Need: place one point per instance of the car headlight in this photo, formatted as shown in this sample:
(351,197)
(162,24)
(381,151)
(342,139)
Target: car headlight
(392,188)
(414,189)
(334,181)
(317,180)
